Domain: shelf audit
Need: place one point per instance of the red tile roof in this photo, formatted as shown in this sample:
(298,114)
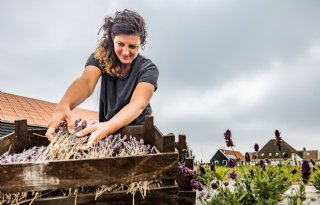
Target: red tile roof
(36,112)
(237,154)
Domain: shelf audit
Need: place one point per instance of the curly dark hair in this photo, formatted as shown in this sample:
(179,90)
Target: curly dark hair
(124,22)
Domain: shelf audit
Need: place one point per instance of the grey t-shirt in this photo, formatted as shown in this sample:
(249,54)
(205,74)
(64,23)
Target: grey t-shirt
(116,92)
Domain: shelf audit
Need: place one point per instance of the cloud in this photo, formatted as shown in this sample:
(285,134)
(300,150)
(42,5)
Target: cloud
(248,66)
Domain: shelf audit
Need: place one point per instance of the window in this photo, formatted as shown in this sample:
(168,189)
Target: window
(277,154)
(262,154)
(270,154)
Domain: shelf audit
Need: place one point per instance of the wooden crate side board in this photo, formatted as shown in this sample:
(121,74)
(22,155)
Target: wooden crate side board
(134,131)
(158,139)
(15,142)
(148,130)
(168,143)
(187,197)
(37,138)
(155,196)
(7,143)
(89,172)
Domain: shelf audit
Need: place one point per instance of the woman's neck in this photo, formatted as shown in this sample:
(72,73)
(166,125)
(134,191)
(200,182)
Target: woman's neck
(124,69)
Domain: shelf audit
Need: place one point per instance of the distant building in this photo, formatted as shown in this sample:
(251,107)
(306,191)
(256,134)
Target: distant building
(272,152)
(36,112)
(222,156)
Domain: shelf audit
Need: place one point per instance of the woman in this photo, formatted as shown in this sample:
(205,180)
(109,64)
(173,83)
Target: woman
(128,80)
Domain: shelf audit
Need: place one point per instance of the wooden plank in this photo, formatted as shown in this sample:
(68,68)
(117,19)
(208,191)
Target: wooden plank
(135,131)
(21,132)
(6,143)
(148,130)
(186,197)
(88,172)
(168,143)
(155,196)
(158,139)
(182,142)
(37,138)
(189,162)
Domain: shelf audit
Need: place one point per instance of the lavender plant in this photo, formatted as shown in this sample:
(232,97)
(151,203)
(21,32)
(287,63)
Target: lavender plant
(261,184)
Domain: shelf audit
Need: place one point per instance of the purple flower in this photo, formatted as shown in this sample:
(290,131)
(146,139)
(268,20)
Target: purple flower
(226,183)
(263,164)
(231,163)
(256,147)
(285,155)
(212,167)
(214,185)
(233,175)
(202,194)
(278,139)
(306,171)
(202,170)
(247,157)
(196,184)
(185,171)
(227,137)
(268,161)
(251,172)
(294,171)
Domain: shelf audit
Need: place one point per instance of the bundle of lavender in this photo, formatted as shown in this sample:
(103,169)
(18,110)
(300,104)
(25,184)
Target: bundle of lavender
(67,145)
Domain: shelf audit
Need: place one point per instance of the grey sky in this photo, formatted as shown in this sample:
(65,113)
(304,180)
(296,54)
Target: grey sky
(248,66)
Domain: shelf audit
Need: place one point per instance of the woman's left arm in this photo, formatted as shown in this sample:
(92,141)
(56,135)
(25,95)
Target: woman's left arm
(139,100)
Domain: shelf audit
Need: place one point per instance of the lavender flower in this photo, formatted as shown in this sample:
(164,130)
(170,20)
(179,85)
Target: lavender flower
(278,139)
(227,137)
(251,172)
(202,194)
(285,155)
(247,157)
(306,171)
(226,183)
(202,170)
(263,164)
(233,175)
(212,167)
(256,147)
(196,184)
(268,161)
(294,171)
(231,163)
(185,171)
(214,185)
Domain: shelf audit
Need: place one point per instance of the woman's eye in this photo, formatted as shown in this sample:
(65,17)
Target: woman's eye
(132,46)
(121,44)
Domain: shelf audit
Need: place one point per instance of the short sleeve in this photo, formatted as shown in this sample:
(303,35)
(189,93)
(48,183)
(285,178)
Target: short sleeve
(93,61)
(149,74)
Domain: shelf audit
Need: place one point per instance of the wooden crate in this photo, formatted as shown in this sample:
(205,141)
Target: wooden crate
(50,175)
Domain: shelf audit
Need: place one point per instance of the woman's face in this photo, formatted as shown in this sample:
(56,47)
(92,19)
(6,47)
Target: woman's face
(126,47)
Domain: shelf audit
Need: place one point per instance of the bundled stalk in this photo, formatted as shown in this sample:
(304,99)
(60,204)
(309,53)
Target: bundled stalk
(67,145)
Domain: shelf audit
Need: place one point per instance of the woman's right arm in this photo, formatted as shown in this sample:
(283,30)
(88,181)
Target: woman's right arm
(77,92)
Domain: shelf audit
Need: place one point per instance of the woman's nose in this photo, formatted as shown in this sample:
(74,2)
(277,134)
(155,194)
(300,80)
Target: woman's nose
(125,51)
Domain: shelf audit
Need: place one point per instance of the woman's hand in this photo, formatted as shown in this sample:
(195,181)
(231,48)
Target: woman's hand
(59,116)
(97,130)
